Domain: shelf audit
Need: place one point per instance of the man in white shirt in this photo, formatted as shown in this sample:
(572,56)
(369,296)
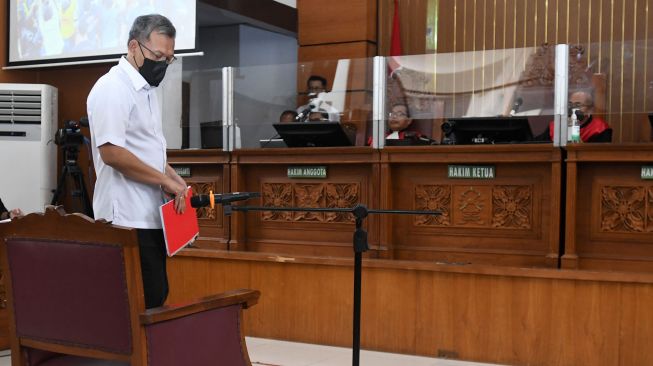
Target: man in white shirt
(317,109)
(129,149)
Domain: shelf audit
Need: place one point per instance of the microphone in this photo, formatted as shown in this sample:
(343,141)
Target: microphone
(203,200)
(516,105)
(303,114)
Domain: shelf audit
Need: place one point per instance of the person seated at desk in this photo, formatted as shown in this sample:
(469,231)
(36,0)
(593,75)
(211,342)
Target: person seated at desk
(6,214)
(592,128)
(399,132)
(288,116)
(317,109)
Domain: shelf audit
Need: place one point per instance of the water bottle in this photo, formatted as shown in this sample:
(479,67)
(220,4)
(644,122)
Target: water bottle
(574,127)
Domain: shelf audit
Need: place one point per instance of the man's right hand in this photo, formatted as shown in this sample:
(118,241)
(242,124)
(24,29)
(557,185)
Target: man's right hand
(173,187)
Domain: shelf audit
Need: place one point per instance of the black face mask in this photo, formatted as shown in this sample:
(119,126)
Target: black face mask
(152,71)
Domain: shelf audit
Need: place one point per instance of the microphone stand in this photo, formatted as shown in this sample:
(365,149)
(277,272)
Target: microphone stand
(360,212)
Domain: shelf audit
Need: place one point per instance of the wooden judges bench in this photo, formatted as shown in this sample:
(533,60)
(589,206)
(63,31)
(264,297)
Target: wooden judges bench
(482,282)
(506,218)
(598,199)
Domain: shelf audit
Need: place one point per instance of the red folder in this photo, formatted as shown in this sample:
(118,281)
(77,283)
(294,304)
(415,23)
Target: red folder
(179,229)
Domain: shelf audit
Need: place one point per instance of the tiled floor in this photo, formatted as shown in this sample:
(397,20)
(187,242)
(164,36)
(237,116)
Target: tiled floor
(268,352)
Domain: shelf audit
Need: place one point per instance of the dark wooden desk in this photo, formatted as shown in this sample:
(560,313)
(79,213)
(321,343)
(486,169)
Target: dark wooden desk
(609,208)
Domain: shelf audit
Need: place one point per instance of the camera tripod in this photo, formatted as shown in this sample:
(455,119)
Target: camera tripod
(71,168)
(360,246)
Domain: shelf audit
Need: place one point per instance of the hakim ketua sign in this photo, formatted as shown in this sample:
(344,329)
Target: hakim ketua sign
(471,172)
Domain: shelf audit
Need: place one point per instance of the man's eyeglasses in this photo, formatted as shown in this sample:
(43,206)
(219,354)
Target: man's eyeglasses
(579,105)
(159,56)
(398,114)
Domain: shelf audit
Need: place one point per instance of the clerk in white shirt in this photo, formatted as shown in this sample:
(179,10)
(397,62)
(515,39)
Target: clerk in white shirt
(129,149)
(317,109)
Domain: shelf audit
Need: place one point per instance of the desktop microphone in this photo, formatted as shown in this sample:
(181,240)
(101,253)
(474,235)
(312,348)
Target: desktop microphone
(203,200)
(516,105)
(303,114)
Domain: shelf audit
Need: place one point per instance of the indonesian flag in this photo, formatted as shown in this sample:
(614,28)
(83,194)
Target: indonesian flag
(395,46)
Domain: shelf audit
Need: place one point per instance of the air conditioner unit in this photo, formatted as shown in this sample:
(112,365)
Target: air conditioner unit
(28,155)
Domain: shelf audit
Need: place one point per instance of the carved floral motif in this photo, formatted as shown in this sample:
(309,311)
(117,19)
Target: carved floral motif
(512,207)
(329,195)
(204,188)
(308,195)
(277,195)
(341,195)
(432,198)
(623,208)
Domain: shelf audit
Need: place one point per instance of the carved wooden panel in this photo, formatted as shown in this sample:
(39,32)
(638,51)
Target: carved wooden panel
(325,195)
(309,195)
(341,195)
(277,195)
(512,207)
(626,209)
(472,205)
(433,198)
(204,188)
(482,206)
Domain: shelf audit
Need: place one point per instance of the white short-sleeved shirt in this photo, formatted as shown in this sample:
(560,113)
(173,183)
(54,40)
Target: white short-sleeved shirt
(123,110)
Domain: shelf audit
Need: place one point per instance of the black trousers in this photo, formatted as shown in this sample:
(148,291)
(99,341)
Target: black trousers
(151,244)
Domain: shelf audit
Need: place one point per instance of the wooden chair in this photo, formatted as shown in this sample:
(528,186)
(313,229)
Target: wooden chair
(75,297)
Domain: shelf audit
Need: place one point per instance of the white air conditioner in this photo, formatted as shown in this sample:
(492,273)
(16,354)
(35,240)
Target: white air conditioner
(28,154)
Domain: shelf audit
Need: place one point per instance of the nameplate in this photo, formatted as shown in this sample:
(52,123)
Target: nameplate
(647,172)
(315,172)
(471,172)
(182,171)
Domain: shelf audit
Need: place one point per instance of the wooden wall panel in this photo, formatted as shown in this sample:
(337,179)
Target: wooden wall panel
(483,314)
(336,22)
(412,16)
(323,60)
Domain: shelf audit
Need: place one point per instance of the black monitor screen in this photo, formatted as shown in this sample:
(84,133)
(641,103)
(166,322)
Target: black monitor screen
(486,130)
(312,134)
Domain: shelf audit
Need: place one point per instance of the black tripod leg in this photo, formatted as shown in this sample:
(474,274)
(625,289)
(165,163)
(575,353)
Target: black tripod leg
(81,188)
(60,185)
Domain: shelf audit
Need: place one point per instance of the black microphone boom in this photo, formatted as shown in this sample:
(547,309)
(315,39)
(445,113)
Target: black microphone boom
(203,200)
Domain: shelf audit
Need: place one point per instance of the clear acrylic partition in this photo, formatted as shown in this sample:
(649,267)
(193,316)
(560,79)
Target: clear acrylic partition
(619,78)
(263,93)
(495,96)
(201,122)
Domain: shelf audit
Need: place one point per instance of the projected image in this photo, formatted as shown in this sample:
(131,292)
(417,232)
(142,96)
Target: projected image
(57,29)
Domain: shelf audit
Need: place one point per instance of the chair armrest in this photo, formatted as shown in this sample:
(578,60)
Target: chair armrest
(245,297)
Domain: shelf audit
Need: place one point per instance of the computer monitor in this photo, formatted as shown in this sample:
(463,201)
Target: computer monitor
(486,130)
(312,134)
